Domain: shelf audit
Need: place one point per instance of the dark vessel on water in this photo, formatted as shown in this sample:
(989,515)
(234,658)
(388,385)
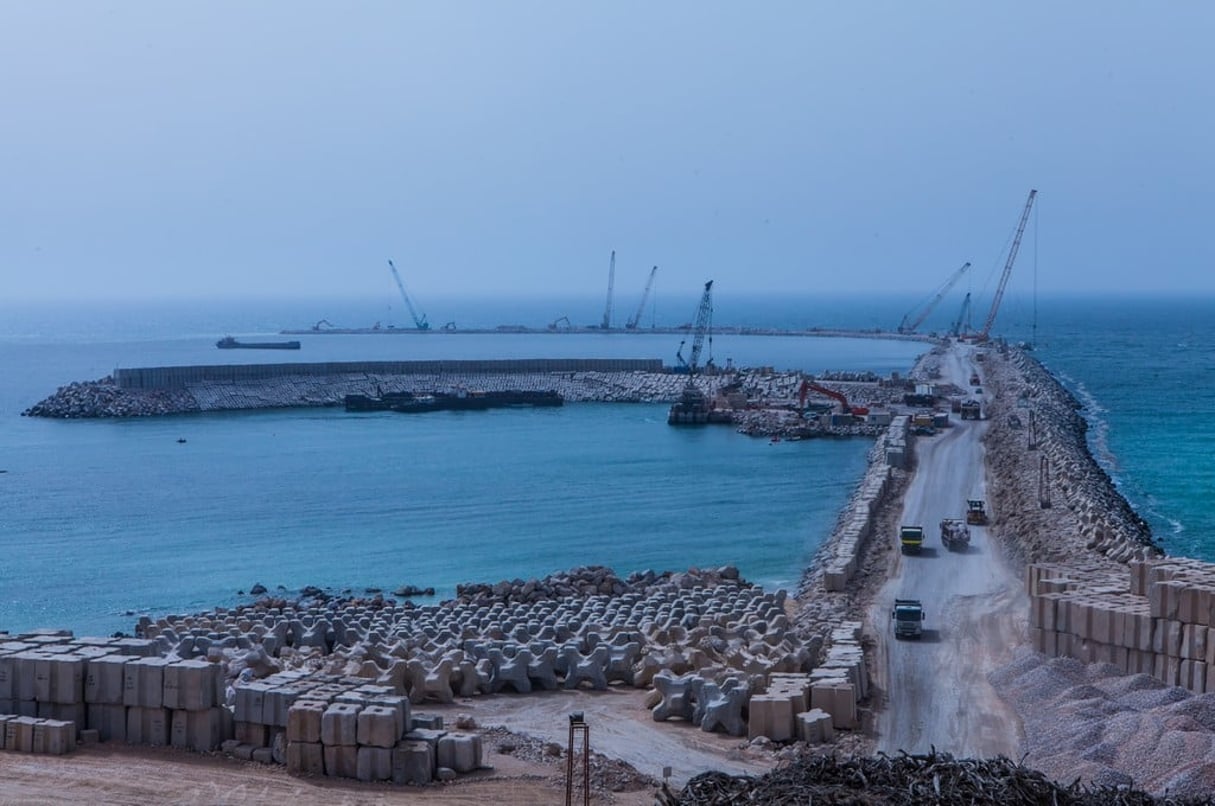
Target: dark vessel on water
(411,402)
(229,343)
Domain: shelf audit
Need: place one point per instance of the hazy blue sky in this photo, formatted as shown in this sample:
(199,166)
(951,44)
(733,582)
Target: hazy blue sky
(156,149)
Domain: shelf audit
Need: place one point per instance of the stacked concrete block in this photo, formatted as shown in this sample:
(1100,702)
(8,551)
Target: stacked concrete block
(118,687)
(25,734)
(857,523)
(1158,621)
(815,726)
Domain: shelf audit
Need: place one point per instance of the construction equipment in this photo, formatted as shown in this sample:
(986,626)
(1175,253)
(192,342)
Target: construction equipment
(809,386)
(970,410)
(419,321)
(909,324)
(704,316)
(976,512)
(911,539)
(324,322)
(955,535)
(557,324)
(693,406)
(908,616)
(985,333)
(631,324)
(963,320)
(607,311)
(449,326)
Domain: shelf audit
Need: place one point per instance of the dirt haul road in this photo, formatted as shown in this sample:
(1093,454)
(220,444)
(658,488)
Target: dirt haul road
(935,690)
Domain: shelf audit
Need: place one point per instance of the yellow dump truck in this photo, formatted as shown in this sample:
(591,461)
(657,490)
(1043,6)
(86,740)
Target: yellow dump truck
(976,512)
(911,539)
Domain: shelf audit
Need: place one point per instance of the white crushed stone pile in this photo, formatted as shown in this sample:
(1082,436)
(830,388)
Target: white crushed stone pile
(1095,723)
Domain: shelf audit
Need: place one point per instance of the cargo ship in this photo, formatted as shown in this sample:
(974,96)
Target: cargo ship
(229,343)
(413,403)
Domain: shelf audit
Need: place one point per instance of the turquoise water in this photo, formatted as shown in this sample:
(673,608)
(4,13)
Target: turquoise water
(103,519)
(106,519)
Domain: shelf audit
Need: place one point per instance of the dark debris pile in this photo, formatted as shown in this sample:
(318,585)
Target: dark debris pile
(936,778)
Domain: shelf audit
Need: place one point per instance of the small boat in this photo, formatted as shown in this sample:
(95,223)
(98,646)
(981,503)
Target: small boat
(229,343)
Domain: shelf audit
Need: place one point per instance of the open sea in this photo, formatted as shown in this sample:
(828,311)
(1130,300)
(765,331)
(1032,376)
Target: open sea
(105,520)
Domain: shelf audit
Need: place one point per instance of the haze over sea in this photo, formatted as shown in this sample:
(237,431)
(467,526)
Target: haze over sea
(104,520)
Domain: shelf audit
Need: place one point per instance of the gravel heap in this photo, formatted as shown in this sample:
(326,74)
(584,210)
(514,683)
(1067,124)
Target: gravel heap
(607,775)
(936,778)
(1095,723)
(1085,514)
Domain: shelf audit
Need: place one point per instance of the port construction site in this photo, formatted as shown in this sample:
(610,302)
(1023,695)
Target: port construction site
(1058,621)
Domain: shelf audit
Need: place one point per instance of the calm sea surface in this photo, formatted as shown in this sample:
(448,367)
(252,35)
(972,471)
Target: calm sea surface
(100,520)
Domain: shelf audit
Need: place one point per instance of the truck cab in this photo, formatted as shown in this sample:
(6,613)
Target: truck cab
(911,539)
(908,617)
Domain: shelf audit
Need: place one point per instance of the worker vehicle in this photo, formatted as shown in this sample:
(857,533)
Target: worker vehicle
(976,512)
(908,617)
(911,539)
(955,535)
(970,410)
(974,379)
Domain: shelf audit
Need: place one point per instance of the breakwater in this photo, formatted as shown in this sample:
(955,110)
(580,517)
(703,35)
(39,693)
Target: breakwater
(1053,501)
(154,391)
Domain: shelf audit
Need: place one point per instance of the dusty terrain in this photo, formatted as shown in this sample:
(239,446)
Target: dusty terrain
(935,690)
(620,728)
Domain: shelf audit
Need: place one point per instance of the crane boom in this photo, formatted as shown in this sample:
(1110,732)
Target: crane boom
(704,313)
(419,321)
(645,295)
(904,327)
(607,311)
(963,320)
(1008,264)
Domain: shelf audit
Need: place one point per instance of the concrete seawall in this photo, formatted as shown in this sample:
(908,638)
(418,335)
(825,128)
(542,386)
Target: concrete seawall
(149,378)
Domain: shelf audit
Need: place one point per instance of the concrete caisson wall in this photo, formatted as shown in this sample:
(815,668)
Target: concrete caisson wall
(180,377)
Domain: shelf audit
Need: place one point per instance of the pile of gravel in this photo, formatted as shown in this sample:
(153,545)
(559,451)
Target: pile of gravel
(1095,723)
(593,580)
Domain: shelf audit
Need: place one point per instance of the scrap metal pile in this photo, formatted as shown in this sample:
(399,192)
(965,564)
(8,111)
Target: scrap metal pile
(937,778)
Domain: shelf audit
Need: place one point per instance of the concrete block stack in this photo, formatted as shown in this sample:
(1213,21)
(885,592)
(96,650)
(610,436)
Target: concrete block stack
(809,707)
(27,734)
(117,687)
(857,521)
(348,728)
(1157,622)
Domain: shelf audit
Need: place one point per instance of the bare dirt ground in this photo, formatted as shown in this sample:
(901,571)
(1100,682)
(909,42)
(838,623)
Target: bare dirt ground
(620,728)
(935,690)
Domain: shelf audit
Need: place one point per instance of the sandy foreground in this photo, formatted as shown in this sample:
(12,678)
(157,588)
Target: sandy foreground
(934,692)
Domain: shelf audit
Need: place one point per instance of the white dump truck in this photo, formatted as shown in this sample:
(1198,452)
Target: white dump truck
(955,534)
(908,617)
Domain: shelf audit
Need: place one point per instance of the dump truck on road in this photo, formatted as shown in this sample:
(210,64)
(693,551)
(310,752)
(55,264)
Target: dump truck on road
(955,534)
(976,512)
(908,617)
(911,539)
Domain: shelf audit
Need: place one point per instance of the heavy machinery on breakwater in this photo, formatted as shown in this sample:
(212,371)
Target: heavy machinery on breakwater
(693,407)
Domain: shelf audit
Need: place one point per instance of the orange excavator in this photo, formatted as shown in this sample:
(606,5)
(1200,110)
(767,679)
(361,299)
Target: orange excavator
(809,386)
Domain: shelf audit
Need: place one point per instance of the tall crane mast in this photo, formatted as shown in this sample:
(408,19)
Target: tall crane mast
(963,320)
(905,327)
(704,316)
(645,295)
(419,321)
(607,311)
(1008,264)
